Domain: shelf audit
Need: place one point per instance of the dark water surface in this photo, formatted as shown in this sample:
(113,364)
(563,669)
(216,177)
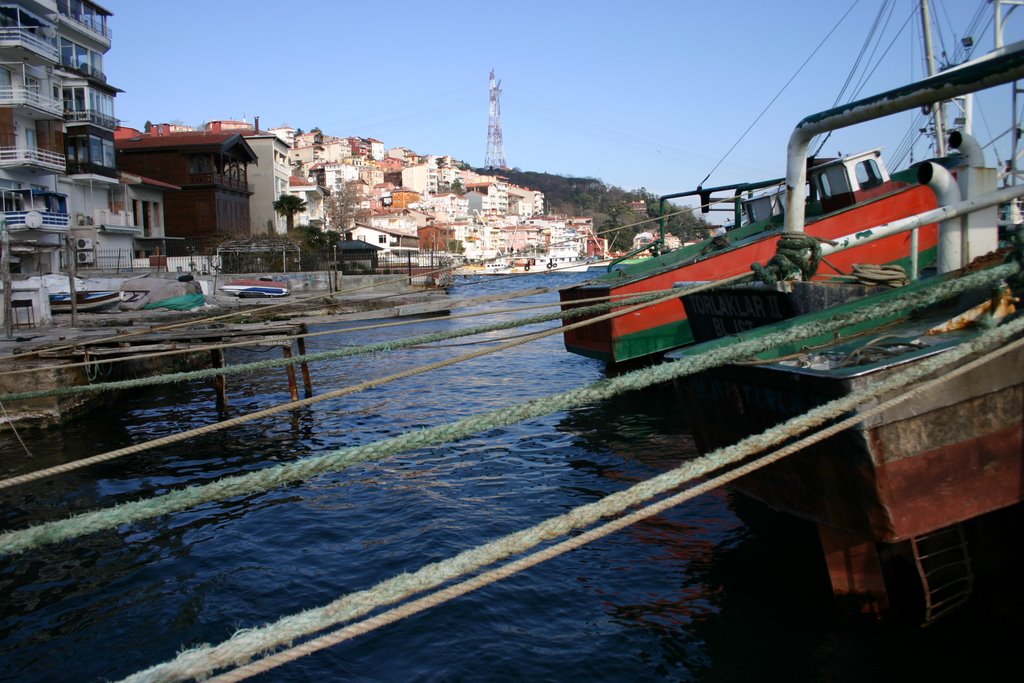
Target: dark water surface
(717,589)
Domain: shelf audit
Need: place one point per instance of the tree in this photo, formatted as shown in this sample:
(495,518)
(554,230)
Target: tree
(288,205)
(342,207)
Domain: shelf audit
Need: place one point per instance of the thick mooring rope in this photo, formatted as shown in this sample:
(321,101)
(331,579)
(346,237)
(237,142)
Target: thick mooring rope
(244,645)
(334,354)
(272,477)
(307,335)
(345,391)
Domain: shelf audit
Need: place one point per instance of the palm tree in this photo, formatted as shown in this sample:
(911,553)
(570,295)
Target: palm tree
(288,205)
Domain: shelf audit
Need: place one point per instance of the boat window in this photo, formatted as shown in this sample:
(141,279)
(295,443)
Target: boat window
(868,174)
(832,181)
(759,209)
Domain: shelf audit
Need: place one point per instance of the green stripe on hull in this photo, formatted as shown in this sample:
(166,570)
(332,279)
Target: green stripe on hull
(664,338)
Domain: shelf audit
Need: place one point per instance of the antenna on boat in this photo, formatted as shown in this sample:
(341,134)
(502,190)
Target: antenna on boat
(1015,214)
(939,108)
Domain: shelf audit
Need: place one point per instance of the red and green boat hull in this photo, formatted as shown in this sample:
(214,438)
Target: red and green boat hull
(660,327)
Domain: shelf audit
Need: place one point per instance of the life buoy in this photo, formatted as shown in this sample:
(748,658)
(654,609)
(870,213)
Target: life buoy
(526,267)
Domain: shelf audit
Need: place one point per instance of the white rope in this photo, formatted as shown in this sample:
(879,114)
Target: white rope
(244,645)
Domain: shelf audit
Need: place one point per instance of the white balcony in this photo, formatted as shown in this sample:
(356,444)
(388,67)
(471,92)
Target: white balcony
(13,157)
(31,43)
(17,96)
(45,221)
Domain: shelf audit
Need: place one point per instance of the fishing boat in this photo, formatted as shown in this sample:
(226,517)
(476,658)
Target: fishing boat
(262,287)
(850,191)
(60,302)
(917,499)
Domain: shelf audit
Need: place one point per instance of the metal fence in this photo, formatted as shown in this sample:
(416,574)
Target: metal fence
(422,268)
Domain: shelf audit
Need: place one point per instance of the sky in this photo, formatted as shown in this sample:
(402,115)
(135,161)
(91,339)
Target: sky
(656,94)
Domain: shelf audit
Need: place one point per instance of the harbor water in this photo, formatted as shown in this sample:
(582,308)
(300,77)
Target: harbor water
(717,589)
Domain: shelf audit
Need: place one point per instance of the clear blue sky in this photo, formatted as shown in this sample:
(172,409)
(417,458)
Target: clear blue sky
(646,93)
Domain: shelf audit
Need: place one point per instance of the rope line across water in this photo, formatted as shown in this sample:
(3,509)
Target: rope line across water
(245,644)
(285,407)
(272,477)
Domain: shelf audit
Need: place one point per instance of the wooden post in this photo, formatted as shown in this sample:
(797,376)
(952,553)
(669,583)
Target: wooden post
(72,272)
(220,381)
(307,383)
(5,275)
(292,386)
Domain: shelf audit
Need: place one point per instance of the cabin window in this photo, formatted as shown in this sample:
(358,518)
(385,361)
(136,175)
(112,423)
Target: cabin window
(833,181)
(759,209)
(868,174)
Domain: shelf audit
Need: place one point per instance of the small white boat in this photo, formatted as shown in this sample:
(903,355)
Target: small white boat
(262,287)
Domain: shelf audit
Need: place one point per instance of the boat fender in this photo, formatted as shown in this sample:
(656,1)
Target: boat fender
(526,267)
(550,265)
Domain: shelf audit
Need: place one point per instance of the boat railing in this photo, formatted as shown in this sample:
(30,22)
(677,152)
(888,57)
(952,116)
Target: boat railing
(997,68)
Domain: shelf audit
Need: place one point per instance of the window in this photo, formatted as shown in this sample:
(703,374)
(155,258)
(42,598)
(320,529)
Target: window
(199,163)
(108,154)
(74,99)
(95,149)
(868,174)
(833,181)
(382,239)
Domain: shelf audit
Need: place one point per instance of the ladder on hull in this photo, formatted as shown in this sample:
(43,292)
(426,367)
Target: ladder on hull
(944,565)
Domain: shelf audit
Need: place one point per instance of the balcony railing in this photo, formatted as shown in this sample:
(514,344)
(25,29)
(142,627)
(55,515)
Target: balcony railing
(27,39)
(28,156)
(89,168)
(17,96)
(40,220)
(91,116)
(84,69)
(218,179)
(87,22)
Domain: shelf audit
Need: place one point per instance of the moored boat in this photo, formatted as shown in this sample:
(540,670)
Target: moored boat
(60,302)
(855,191)
(910,502)
(262,287)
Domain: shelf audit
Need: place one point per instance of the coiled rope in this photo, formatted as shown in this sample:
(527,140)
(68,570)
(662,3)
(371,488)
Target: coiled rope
(889,275)
(272,477)
(245,644)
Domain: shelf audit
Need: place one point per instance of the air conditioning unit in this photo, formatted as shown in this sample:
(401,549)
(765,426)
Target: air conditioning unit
(80,218)
(83,243)
(85,257)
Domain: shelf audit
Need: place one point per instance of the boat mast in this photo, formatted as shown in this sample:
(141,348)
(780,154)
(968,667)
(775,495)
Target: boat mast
(1011,169)
(939,108)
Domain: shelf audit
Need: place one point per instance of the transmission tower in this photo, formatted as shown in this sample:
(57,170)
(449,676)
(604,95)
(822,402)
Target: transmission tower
(495,147)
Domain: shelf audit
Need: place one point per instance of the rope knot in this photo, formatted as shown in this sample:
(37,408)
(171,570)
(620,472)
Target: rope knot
(797,256)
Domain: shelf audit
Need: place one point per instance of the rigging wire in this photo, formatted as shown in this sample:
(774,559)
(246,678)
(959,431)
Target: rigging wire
(779,94)
(872,32)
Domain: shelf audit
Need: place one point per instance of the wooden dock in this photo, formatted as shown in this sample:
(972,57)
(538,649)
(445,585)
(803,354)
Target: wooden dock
(73,357)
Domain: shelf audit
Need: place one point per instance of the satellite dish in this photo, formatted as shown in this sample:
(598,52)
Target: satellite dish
(34,219)
(49,32)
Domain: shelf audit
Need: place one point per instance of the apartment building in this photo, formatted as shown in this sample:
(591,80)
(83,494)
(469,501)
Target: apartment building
(58,174)
(268,180)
